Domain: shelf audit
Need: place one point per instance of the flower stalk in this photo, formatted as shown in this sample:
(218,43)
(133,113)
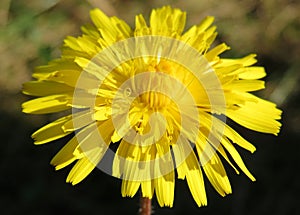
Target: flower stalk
(145,206)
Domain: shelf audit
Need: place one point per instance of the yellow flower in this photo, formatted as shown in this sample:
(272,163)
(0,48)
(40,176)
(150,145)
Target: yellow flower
(161,93)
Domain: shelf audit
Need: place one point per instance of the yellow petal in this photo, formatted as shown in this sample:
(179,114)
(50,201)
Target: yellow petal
(164,189)
(129,188)
(235,97)
(92,68)
(72,43)
(216,174)
(213,53)
(141,27)
(48,104)
(84,166)
(236,157)
(102,113)
(227,70)
(79,120)
(123,28)
(102,21)
(131,165)
(45,88)
(195,182)
(178,21)
(206,147)
(51,131)
(255,72)
(205,23)
(43,72)
(115,137)
(210,36)
(147,188)
(95,135)
(167,21)
(245,85)
(133,162)
(224,129)
(91,31)
(82,99)
(190,170)
(259,116)
(65,156)
(245,61)
(88,45)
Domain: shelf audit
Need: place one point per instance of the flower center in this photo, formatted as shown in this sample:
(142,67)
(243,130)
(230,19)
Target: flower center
(157,85)
(155,100)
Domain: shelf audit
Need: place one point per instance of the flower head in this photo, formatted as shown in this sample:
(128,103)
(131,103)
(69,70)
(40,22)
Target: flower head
(161,93)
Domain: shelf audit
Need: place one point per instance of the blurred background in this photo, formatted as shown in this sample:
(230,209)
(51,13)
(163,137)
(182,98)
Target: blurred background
(31,34)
